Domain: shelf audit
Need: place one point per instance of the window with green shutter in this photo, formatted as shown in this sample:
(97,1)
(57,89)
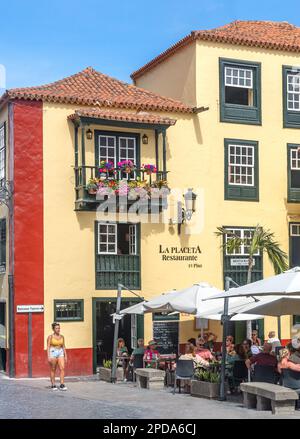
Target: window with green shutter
(240,91)
(293,166)
(241,170)
(117,247)
(2,245)
(291,97)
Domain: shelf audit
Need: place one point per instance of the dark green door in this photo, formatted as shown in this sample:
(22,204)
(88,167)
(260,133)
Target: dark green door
(103,328)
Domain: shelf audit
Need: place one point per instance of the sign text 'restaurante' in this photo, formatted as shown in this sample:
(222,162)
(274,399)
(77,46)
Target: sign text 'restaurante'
(179,253)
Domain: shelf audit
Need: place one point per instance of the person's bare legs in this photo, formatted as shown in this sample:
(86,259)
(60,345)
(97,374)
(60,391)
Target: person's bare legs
(53,365)
(61,365)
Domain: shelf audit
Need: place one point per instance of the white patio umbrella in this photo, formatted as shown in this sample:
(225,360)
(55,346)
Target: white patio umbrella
(186,301)
(214,309)
(283,284)
(189,300)
(275,306)
(138,308)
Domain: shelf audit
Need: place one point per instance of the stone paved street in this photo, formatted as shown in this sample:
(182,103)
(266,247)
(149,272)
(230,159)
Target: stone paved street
(91,399)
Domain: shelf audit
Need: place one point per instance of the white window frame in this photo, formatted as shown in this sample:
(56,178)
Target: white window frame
(295,155)
(2,153)
(132,239)
(241,165)
(115,252)
(125,157)
(240,77)
(297,226)
(107,158)
(242,236)
(293,90)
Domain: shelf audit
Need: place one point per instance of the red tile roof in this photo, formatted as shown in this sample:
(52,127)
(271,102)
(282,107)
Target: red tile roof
(265,34)
(90,87)
(140,117)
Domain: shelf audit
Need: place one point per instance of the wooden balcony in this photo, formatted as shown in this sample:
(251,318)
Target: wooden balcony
(120,190)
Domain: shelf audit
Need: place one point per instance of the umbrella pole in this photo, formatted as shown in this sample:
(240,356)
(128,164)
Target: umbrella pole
(223,363)
(279,327)
(116,334)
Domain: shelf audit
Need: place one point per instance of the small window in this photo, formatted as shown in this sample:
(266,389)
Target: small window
(293,173)
(293,92)
(240,95)
(243,234)
(291,97)
(238,86)
(241,170)
(241,165)
(68,310)
(118,239)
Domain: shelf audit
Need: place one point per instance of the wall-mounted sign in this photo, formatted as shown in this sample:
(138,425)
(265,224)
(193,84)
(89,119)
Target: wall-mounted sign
(240,262)
(30,308)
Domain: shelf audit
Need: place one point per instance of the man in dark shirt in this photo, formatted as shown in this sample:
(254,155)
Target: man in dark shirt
(264,358)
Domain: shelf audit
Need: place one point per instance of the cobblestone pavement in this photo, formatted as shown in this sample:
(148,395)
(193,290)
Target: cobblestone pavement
(92,399)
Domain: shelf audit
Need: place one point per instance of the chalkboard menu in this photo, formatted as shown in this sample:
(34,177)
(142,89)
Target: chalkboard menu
(166,335)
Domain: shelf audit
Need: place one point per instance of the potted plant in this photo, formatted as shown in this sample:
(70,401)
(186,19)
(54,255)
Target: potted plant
(92,186)
(105,372)
(150,169)
(126,166)
(206,383)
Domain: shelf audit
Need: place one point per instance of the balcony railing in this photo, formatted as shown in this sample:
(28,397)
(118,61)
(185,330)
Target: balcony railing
(90,181)
(113,269)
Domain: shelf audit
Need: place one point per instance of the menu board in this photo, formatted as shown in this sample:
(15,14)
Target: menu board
(166,335)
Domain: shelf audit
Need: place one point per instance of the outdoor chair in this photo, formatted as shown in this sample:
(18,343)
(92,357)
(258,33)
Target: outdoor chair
(264,374)
(184,371)
(291,379)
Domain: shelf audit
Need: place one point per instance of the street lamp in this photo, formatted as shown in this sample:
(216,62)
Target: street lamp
(185,213)
(89,134)
(190,203)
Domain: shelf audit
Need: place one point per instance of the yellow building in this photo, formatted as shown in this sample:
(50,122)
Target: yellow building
(218,112)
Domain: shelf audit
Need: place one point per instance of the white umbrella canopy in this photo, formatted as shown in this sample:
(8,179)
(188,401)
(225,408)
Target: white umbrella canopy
(287,283)
(187,300)
(275,306)
(138,308)
(214,309)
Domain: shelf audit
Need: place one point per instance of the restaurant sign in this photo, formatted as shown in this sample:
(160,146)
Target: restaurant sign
(240,262)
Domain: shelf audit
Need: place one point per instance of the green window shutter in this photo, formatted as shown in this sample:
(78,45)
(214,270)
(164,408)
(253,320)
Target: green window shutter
(239,191)
(110,269)
(3,245)
(291,117)
(236,113)
(293,173)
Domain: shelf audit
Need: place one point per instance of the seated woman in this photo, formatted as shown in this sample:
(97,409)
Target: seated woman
(203,352)
(151,355)
(122,351)
(190,354)
(285,363)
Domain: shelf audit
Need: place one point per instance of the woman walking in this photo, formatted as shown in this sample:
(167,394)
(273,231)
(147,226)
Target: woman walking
(57,356)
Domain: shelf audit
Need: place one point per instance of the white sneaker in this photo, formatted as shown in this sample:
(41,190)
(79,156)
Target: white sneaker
(63,387)
(54,388)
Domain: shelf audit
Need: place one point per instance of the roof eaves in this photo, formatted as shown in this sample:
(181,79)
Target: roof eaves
(164,55)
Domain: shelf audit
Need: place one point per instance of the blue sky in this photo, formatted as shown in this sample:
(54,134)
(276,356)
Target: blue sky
(45,40)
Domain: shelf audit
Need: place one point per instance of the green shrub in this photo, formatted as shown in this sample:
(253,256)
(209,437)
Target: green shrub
(107,364)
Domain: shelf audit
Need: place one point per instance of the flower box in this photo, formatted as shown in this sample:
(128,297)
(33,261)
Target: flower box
(204,389)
